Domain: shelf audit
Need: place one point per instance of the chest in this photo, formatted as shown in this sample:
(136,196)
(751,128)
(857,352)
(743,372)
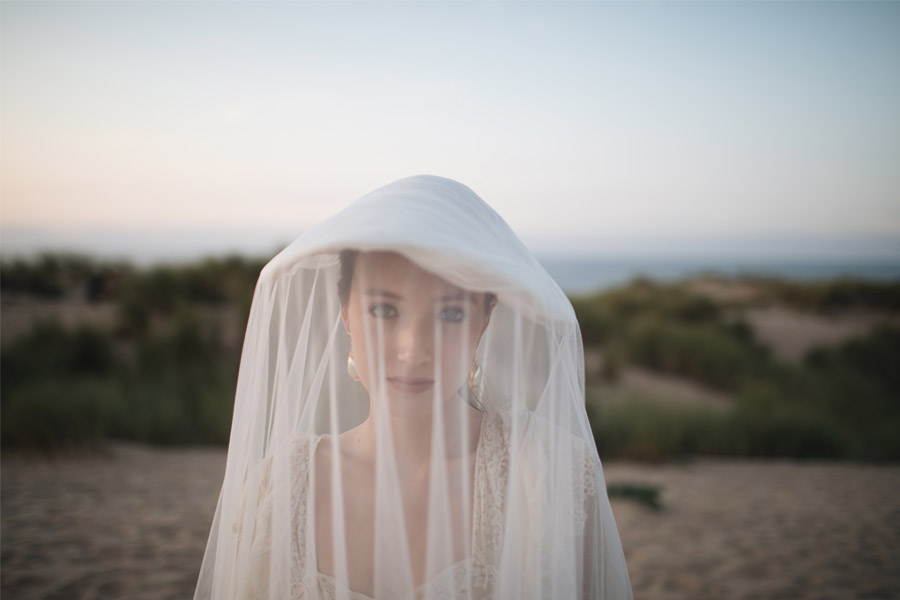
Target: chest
(384,526)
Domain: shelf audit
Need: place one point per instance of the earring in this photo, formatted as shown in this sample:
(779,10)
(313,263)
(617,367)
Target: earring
(475,375)
(352,371)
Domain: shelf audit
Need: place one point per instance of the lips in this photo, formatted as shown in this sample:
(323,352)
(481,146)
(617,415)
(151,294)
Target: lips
(409,385)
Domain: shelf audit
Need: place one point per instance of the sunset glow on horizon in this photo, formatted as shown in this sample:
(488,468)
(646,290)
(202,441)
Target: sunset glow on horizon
(578,122)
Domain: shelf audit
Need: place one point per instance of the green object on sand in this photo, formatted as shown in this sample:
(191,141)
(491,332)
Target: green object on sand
(639,492)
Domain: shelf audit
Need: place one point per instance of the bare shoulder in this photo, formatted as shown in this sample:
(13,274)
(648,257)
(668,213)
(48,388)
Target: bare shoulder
(545,449)
(348,451)
(533,429)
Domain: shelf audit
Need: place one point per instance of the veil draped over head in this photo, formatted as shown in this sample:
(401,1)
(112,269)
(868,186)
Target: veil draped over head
(409,419)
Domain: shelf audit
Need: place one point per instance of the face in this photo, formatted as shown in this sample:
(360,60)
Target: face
(411,330)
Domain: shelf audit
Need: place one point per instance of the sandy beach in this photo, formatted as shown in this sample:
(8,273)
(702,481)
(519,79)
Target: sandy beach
(753,529)
(133,524)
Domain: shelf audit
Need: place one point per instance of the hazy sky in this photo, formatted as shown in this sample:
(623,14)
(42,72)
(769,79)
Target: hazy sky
(581,123)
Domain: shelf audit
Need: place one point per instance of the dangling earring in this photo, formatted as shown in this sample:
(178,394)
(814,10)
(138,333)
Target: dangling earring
(475,375)
(352,371)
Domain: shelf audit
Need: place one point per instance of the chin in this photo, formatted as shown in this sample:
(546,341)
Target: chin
(415,405)
(406,407)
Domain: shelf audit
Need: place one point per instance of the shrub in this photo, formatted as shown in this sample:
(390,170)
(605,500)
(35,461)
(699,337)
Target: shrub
(639,492)
(613,363)
(858,384)
(608,314)
(646,429)
(181,388)
(62,412)
(875,356)
(831,296)
(597,322)
(49,275)
(699,352)
(766,423)
(62,388)
(48,351)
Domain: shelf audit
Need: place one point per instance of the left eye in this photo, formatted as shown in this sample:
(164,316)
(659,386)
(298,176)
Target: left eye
(452,314)
(383,311)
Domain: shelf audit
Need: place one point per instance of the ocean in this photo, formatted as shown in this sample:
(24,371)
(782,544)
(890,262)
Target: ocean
(581,276)
(864,257)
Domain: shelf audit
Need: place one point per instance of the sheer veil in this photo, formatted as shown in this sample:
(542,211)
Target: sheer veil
(409,418)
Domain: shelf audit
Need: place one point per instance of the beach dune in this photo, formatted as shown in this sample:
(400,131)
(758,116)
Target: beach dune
(133,523)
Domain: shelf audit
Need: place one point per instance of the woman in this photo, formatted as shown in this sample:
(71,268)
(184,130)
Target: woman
(409,419)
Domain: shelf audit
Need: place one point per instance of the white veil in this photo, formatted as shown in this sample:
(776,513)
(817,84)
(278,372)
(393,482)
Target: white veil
(451,457)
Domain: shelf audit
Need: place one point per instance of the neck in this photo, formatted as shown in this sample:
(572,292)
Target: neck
(458,423)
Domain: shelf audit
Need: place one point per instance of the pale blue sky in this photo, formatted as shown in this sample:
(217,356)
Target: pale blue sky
(586,125)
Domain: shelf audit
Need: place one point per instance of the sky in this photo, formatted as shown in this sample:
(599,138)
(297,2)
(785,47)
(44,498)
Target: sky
(164,127)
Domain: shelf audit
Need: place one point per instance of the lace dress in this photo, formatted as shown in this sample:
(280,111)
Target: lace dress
(473,577)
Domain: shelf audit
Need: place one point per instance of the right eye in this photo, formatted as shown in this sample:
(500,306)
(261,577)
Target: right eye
(382,311)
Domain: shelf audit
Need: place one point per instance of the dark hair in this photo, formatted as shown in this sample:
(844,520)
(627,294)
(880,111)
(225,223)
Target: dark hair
(348,264)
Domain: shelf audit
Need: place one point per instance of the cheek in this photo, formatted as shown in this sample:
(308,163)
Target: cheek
(459,349)
(371,351)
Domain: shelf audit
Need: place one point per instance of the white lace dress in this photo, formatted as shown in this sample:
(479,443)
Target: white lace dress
(473,577)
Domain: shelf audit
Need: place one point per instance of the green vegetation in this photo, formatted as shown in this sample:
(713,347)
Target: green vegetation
(641,493)
(647,430)
(161,372)
(842,402)
(667,328)
(48,275)
(829,297)
(164,369)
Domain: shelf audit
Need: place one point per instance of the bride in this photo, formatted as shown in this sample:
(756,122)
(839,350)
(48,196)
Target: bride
(409,419)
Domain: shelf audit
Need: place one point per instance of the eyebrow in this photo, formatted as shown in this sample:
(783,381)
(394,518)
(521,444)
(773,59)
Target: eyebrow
(386,294)
(447,298)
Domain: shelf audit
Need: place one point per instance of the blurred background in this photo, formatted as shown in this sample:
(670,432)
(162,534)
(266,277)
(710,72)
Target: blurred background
(715,185)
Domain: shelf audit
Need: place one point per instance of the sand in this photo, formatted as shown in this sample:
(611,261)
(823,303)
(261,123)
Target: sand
(133,524)
(129,525)
(747,529)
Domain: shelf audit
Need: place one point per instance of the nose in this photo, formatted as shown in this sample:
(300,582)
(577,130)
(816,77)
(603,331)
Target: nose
(415,342)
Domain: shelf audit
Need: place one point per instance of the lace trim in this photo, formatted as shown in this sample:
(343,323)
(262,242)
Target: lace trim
(588,487)
(462,580)
(491,477)
(591,468)
(301,578)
